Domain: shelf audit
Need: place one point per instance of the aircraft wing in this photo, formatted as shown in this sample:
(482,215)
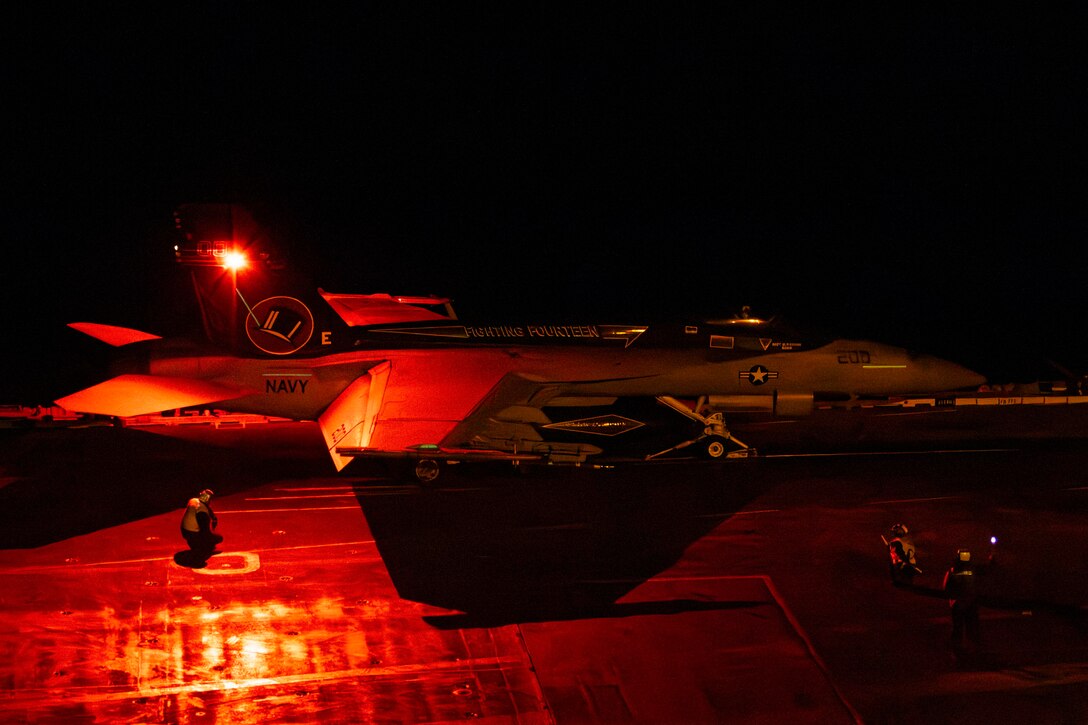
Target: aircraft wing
(472,406)
(392,434)
(516,400)
(417,409)
(413,399)
(128,395)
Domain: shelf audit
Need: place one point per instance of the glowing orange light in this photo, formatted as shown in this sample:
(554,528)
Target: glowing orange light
(235,261)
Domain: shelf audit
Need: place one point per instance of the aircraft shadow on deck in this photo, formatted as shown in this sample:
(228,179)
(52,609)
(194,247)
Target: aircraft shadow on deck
(563,544)
(68,482)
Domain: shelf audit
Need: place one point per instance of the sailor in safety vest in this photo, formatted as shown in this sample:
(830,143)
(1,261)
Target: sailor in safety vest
(196,526)
(961,585)
(901,552)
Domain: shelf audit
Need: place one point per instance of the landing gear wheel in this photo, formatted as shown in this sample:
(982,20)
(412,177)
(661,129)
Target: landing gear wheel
(714,447)
(426,470)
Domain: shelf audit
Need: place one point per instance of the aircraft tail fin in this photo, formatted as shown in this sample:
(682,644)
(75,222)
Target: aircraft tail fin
(263,307)
(251,302)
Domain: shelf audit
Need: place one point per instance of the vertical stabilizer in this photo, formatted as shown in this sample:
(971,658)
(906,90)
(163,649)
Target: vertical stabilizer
(250,302)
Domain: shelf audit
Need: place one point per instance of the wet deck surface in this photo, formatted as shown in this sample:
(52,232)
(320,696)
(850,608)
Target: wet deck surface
(751,591)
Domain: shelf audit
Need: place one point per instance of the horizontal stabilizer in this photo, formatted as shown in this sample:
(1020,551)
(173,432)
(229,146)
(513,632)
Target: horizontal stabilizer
(383,309)
(128,395)
(111,334)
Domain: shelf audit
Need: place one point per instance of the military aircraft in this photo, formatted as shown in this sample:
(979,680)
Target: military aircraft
(402,378)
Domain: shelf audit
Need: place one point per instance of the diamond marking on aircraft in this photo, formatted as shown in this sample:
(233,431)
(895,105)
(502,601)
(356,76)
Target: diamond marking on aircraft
(602,425)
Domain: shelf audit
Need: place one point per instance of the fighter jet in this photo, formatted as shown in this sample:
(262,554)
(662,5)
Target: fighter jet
(402,378)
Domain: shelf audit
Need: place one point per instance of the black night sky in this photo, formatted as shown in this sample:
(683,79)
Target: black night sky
(910,177)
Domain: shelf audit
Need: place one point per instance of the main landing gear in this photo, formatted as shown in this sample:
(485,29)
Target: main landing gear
(715,443)
(426,470)
(421,466)
(714,447)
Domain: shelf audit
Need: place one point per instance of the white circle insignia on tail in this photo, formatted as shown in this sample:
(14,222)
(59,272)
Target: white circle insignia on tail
(279,325)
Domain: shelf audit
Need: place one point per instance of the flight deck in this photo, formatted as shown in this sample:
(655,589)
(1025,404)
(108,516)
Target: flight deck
(754,590)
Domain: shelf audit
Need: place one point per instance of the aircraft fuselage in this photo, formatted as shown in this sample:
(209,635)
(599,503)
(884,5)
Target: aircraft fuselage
(454,378)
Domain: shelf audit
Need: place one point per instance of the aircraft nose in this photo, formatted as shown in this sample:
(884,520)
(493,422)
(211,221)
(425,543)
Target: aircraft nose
(947,375)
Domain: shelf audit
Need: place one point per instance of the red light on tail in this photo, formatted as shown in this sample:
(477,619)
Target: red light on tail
(235,261)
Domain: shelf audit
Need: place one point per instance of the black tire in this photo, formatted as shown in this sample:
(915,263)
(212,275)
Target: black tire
(426,470)
(715,447)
